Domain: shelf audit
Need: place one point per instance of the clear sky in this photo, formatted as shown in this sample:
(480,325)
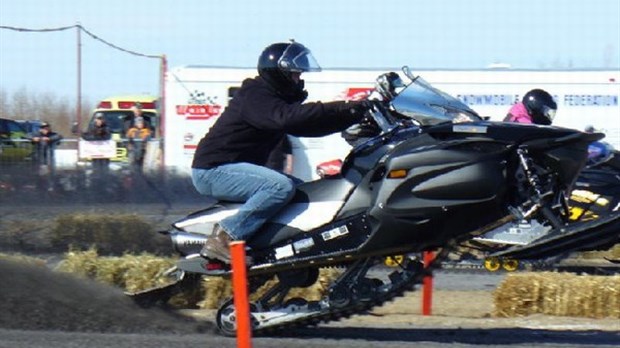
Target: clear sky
(455,34)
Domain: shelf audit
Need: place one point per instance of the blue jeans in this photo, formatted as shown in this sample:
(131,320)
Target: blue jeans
(263,190)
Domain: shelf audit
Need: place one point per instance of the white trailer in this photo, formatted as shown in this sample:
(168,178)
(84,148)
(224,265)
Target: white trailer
(195,96)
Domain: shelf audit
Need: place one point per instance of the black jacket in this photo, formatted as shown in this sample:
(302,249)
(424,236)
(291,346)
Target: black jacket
(98,133)
(257,118)
(277,157)
(44,150)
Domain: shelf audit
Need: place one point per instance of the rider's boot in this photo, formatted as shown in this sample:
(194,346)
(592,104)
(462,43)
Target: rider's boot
(217,245)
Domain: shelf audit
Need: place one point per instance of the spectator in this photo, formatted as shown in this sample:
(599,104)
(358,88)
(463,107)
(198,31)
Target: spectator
(136,112)
(99,132)
(138,136)
(45,142)
(281,157)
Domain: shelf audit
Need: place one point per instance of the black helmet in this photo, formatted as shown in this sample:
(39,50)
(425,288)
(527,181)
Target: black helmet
(277,63)
(540,106)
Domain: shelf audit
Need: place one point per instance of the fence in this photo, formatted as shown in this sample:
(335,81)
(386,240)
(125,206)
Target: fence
(19,153)
(75,153)
(75,175)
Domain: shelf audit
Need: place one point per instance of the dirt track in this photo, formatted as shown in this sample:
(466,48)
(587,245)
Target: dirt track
(36,298)
(41,308)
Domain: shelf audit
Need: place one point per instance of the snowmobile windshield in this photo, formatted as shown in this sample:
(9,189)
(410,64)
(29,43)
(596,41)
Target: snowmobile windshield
(429,106)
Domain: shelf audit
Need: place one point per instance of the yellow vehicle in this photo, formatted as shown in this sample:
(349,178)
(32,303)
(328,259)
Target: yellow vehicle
(117,110)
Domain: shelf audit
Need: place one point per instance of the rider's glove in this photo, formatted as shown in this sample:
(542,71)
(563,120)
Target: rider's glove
(361,131)
(358,108)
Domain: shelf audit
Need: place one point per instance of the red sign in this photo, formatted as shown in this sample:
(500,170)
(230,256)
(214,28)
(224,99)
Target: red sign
(197,111)
(357,93)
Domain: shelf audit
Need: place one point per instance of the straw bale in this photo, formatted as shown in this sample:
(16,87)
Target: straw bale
(110,270)
(558,294)
(24,235)
(145,271)
(217,289)
(612,253)
(129,272)
(82,263)
(111,234)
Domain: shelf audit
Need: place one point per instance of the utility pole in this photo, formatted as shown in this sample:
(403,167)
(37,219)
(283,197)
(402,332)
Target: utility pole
(163,70)
(78,106)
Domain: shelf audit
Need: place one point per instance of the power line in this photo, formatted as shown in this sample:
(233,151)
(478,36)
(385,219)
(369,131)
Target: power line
(116,47)
(36,30)
(81,28)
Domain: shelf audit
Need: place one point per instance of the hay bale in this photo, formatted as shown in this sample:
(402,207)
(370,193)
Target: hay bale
(144,271)
(558,294)
(139,272)
(81,263)
(114,234)
(217,289)
(24,235)
(612,253)
(129,272)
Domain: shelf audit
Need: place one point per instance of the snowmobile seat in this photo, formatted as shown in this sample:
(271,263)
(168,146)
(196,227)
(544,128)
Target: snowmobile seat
(315,203)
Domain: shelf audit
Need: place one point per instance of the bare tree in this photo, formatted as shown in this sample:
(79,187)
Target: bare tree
(44,107)
(4,104)
(62,113)
(20,106)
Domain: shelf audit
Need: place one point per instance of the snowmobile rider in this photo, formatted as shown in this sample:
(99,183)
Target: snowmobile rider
(229,161)
(537,107)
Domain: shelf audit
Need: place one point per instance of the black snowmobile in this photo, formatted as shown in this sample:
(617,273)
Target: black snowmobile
(595,195)
(434,176)
(597,190)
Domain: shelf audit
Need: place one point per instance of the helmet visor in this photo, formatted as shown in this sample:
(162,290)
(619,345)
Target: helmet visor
(549,112)
(298,58)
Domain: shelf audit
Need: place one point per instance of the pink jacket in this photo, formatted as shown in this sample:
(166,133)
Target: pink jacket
(518,113)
